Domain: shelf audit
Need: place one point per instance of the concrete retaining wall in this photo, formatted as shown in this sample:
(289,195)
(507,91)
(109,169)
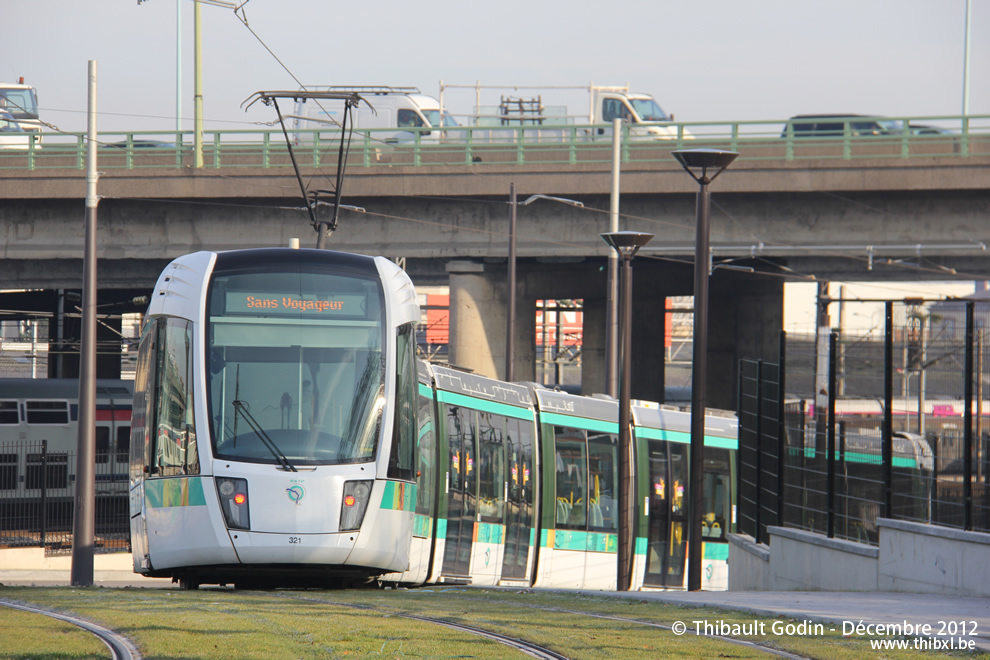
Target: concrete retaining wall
(911,557)
(933,560)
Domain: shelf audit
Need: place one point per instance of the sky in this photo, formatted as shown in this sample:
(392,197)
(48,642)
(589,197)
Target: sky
(716,60)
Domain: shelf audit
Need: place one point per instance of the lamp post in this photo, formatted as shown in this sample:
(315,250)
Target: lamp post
(510,316)
(705,160)
(626,244)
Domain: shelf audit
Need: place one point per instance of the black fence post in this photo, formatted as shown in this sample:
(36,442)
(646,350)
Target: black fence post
(44,491)
(833,343)
(781,425)
(759,452)
(967,483)
(887,441)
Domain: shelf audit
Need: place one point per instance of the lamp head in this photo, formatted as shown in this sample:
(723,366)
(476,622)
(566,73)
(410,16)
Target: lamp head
(704,160)
(627,243)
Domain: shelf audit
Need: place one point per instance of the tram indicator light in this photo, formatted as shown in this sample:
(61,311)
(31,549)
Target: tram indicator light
(233,502)
(357,494)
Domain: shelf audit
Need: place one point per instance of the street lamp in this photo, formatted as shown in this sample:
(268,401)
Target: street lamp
(626,244)
(510,316)
(704,160)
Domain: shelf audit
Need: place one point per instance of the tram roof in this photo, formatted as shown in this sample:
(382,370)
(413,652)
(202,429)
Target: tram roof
(572,405)
(479,387)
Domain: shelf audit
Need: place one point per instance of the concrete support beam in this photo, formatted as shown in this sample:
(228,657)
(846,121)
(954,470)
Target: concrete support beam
(477,319)
(746,314)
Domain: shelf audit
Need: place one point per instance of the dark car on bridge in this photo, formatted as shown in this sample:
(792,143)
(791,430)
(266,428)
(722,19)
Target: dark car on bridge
(817,126)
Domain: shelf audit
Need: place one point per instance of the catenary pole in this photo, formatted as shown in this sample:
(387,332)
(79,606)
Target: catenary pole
(83,522)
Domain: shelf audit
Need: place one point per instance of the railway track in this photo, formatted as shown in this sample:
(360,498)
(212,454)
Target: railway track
(120,647)
(542,652)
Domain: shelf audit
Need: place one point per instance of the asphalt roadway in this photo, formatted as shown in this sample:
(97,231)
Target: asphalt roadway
(954,616)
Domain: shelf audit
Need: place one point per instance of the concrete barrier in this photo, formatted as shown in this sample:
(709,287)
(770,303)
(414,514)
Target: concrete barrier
(911,557)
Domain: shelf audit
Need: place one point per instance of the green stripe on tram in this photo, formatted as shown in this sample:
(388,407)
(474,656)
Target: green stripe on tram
(495,407)
(684,437)
(718,551)
(491,533)
(398,496)
(579,422)
(174,492)
(855,457)
(566,539)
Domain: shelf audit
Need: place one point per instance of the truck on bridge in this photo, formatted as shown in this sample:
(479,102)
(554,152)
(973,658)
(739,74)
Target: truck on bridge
(646,119)
(21,101)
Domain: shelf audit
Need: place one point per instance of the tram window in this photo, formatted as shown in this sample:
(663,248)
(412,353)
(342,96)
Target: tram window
(8,471)
(716,517)
(427,457)
(102,444)
(307,366)
(47,412)
(460,440)
(8,413)
(402,460)
(572,478)
(491,467)
(603,470)
(141,414)
(175,448)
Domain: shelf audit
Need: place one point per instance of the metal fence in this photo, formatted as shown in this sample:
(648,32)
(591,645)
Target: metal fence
(37,493)
(893,423)
(918,137)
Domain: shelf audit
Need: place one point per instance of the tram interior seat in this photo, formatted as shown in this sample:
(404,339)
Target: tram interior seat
(563,511)
(595,515)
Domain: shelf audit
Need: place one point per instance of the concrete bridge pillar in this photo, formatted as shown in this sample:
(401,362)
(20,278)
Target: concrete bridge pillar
(746,314)
(745,318)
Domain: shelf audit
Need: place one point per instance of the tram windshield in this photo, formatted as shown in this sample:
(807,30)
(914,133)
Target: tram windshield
(296,372)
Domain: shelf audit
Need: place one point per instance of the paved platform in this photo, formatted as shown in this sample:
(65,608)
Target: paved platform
(29,567)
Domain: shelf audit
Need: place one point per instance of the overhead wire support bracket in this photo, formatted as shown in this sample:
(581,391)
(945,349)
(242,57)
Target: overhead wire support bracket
(351,99)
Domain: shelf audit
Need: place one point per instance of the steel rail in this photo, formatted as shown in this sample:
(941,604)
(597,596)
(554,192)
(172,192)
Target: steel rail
(120,647)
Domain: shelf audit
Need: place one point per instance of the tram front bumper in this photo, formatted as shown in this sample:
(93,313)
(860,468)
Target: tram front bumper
(269,548)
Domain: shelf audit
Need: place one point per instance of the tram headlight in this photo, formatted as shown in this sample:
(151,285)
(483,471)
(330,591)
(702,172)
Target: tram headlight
(234,502)
(357,494)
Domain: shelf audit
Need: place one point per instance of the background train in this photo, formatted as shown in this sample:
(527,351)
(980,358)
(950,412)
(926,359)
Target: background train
(284,433)
(39,432)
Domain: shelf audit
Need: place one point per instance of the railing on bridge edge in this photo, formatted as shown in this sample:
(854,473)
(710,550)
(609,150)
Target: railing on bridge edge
(951,136)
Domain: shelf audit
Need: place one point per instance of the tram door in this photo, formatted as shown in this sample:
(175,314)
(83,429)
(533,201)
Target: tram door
(667,542)
(519,503)
(461,491)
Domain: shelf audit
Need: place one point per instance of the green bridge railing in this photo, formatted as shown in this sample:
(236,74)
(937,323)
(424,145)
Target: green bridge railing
(527,144)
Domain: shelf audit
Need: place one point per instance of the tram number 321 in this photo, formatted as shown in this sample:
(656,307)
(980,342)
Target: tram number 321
(295,539)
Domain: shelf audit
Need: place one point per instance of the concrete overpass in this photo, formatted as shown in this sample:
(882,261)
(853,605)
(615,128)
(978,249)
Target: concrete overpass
(865,218)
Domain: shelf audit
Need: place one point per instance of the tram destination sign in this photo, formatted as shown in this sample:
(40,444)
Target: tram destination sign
(295,304)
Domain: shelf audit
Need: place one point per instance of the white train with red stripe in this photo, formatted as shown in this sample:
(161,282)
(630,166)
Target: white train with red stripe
(39,430)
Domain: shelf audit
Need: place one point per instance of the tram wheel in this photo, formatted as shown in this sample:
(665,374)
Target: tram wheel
(188,584)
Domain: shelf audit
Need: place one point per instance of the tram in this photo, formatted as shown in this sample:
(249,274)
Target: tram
(284,434)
